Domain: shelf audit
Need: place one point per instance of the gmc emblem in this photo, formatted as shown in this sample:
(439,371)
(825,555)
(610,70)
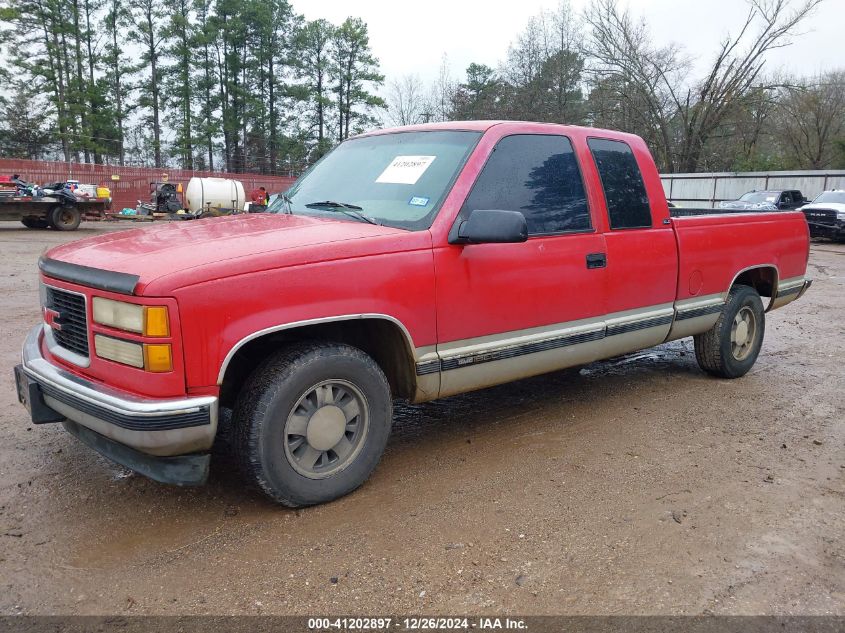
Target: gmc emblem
(53,319)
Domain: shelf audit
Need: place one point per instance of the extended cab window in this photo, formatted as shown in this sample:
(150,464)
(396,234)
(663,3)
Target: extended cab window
(624,191)
(537,175)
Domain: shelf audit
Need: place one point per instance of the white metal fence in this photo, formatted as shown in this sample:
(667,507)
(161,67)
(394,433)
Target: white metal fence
(708,190)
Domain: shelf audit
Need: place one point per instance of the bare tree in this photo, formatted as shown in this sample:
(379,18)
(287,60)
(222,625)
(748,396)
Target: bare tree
(442,94)
(811,119)
(543,70)
(406,104)
(677,113)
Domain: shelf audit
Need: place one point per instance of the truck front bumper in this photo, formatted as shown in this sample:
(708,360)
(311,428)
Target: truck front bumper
(166,440)
(834,230)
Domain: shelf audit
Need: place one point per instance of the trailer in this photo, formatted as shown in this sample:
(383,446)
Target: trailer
(52,211)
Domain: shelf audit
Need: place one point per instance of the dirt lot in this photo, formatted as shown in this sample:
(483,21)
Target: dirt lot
(636,485)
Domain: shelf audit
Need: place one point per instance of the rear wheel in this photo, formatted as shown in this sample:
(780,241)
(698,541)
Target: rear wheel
(312,422)
(730,348)
(65,218)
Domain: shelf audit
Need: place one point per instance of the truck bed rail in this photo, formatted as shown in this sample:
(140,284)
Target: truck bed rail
(685,212)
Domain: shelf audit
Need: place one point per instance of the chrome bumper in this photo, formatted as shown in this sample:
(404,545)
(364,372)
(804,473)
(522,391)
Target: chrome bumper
(152,427)
(805,288)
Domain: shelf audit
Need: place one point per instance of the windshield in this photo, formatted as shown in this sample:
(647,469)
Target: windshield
(835,197)
(395,179)
(761,196)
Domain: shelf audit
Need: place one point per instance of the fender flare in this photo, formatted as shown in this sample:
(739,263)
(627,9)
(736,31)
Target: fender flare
(754,267)
(409,342)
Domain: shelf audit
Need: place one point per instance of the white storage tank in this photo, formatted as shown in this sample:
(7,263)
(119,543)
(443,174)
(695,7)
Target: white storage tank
(214,193)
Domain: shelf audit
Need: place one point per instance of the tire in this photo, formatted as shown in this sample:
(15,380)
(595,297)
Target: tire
(65,218)
(286,412)
(716,350)
(33,222)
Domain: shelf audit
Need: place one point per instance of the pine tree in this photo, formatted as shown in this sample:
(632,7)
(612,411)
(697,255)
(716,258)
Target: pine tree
(354,67)
(179,84)
(149,19)
(118,71)
(313,65)
(207,127)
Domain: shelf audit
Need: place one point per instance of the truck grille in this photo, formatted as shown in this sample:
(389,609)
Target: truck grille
(70,307)
(822,216)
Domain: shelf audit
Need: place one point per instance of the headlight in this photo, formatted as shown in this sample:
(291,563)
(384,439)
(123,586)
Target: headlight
(840,215)
(150,357)
(125,352)
(146,320)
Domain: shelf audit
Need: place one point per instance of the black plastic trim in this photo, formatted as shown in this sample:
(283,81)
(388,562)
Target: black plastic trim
(596,260)
(697,312)
(428,367)
(179,470)
(166,422)
(520,350)
(30,396)
(122,283)
(634,326)
(466,360)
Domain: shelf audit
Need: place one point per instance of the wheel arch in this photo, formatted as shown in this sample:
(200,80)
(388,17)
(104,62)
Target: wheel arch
(763,278)
(383,337)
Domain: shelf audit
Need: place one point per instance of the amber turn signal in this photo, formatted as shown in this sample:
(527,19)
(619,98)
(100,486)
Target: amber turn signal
(156,322)
(157,357)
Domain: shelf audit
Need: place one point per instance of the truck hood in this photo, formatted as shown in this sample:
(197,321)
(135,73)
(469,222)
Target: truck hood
(833,206)
(234,243)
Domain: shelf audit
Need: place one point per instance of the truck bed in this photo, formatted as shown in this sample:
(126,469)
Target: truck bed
(715,246)
(19,208)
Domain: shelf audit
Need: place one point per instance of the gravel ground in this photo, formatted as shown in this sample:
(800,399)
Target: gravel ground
(633,486)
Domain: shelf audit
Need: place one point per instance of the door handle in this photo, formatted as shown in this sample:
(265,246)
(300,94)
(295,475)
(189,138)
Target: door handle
(597,260)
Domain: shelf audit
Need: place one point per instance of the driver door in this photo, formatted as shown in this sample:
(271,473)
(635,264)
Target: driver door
(507,311)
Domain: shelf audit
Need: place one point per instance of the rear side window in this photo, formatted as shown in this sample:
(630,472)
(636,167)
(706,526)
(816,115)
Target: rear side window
(624,190)
(537,175)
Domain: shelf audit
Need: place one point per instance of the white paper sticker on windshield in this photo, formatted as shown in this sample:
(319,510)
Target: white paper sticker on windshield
(405,170)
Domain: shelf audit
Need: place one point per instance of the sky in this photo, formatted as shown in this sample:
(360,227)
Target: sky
(410,38)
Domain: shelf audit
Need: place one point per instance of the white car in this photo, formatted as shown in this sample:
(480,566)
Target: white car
(826,215)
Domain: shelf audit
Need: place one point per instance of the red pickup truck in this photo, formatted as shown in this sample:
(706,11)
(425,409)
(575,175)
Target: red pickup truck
(413,263)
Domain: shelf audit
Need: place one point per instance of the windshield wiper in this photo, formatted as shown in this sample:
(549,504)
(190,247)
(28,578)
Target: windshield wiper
(351,210)
(334,205)
(288,204)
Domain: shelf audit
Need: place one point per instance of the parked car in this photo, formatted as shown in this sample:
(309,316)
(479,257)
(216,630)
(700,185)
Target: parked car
(826,215)
(770,200)
(413,263)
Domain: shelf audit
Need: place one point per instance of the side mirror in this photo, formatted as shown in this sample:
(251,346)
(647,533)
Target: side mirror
(491,226)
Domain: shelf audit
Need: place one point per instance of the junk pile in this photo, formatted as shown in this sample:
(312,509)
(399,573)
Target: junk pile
(69,191)
(204,197)
(165,203)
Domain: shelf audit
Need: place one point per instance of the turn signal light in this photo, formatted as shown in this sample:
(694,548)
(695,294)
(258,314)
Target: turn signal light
(156,322)
(157,358)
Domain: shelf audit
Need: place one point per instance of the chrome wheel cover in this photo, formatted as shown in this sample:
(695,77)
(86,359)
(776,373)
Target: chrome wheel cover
(743,333)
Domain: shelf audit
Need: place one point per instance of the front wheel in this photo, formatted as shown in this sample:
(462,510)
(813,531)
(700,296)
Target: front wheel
(312,422)
(730,348)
